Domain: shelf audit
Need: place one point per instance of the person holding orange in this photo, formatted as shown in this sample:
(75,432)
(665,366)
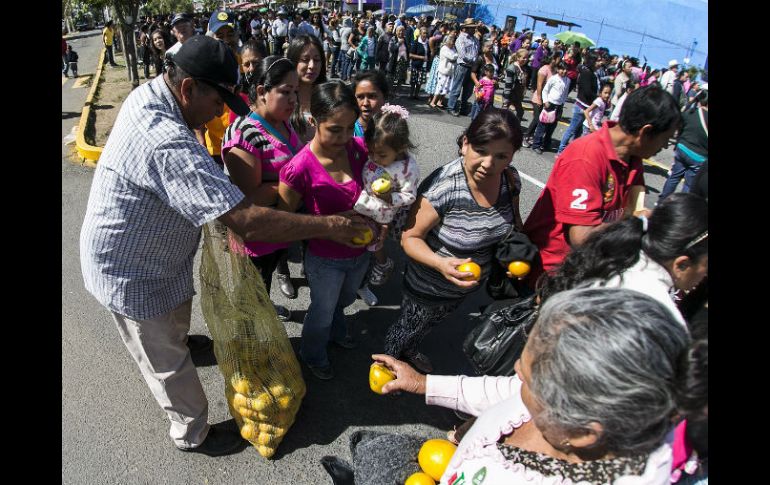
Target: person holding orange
(541,425)
(325,176)
(462,210)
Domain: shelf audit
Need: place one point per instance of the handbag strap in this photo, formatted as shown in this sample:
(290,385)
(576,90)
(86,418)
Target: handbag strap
(511,188)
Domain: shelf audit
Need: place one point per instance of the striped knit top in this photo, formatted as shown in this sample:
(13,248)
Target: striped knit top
(248,134)
(466,230)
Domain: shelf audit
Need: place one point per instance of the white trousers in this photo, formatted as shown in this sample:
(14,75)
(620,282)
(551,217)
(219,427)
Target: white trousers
(159,347)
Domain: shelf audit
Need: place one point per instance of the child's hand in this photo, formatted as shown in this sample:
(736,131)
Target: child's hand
(386,197)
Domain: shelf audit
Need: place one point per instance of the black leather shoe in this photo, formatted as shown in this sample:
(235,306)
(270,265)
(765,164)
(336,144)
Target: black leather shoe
(219,443)
(286,286)
(199,344)
(284,314)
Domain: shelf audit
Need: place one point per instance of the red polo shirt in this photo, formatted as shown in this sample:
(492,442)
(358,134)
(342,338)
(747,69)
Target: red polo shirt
(588,185)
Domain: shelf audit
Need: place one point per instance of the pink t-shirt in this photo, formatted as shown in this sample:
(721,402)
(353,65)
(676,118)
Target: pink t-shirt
(536,99)
(323,195)
(248,134)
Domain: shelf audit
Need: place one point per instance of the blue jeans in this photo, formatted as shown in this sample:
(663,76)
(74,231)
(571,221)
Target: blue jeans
(543,132)
(335,56)
(108,55)
(575,128)
(461,81)
(685,167)
(477,108)
(333,284)
(344,60)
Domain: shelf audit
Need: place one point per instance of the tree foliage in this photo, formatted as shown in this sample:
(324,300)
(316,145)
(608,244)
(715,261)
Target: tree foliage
(155,7)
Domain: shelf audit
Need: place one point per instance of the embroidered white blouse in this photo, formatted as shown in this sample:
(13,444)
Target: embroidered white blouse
(497,403)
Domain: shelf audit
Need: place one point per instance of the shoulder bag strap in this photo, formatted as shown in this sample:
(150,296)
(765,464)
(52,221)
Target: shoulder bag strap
(702,121)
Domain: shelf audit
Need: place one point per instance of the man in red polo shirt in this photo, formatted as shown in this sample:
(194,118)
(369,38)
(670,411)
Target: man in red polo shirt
(599,178)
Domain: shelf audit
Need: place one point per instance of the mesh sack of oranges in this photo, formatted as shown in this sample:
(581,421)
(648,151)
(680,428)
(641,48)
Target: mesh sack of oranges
(263,382)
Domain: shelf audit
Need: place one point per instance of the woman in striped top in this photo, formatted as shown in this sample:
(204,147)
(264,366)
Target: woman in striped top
(463,210)
(255,148)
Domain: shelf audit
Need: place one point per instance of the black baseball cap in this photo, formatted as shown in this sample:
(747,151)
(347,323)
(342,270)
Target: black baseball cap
(212,62)
(181,17)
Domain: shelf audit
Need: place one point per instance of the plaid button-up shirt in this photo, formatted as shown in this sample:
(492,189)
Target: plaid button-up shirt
(154,187)
(467,48)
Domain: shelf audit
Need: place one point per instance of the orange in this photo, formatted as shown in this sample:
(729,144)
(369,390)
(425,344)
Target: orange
(434,457)
(419,478)
(470,268)
(519,268)
(368,236)
(379,375)
(248,432)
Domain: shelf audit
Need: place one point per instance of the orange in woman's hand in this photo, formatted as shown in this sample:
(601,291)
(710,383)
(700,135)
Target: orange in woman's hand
(470,268)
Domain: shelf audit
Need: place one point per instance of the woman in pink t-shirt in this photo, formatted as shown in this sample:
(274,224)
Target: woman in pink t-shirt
(255,147)
(543,75)
(326,177)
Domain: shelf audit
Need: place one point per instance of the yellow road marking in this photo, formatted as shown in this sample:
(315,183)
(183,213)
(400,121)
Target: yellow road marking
(650,161)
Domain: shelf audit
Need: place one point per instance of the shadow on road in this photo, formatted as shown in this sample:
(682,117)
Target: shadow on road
(331,407)
(65,115)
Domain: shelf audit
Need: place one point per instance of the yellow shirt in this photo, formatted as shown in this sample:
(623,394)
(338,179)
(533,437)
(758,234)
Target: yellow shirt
(215,130)
(107,36)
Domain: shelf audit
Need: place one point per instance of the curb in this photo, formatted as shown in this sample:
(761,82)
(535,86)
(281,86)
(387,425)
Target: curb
(88,152)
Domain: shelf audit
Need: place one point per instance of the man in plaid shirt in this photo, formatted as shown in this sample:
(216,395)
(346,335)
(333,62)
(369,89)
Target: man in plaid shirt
(153,190)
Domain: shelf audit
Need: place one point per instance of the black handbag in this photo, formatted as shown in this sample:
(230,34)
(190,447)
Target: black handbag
(499,336)
(515,246)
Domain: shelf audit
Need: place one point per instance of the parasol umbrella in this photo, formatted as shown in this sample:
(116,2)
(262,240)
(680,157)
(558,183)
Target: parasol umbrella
(569,38)
(379,12)
(418,9)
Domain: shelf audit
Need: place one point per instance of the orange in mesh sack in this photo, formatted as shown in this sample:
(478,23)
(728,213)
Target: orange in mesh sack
(263,382)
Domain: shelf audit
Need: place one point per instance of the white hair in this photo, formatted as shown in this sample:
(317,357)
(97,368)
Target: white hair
(609,356)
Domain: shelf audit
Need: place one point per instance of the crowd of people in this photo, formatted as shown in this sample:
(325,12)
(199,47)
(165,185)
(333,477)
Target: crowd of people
(241,125)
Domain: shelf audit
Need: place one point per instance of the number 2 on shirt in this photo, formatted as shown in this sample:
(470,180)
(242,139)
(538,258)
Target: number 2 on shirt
(580,197)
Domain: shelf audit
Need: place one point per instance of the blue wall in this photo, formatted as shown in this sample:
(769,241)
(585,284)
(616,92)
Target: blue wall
(679,21)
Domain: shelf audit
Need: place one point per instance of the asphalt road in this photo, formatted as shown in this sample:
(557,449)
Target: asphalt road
(114,432)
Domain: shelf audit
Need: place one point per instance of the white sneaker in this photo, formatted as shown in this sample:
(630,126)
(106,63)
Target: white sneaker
(366,294)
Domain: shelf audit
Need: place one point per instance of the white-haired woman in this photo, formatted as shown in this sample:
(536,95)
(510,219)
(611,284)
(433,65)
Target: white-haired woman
(593,399)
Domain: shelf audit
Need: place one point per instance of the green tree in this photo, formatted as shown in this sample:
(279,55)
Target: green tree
(155,7)
(211,5)
(693,71)
(124,13)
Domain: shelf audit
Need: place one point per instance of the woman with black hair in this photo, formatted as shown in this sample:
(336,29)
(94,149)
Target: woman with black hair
(307,53)
(659,256)
(160,41)
(325,176)
(371,90)
(255,148)
(462,211)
